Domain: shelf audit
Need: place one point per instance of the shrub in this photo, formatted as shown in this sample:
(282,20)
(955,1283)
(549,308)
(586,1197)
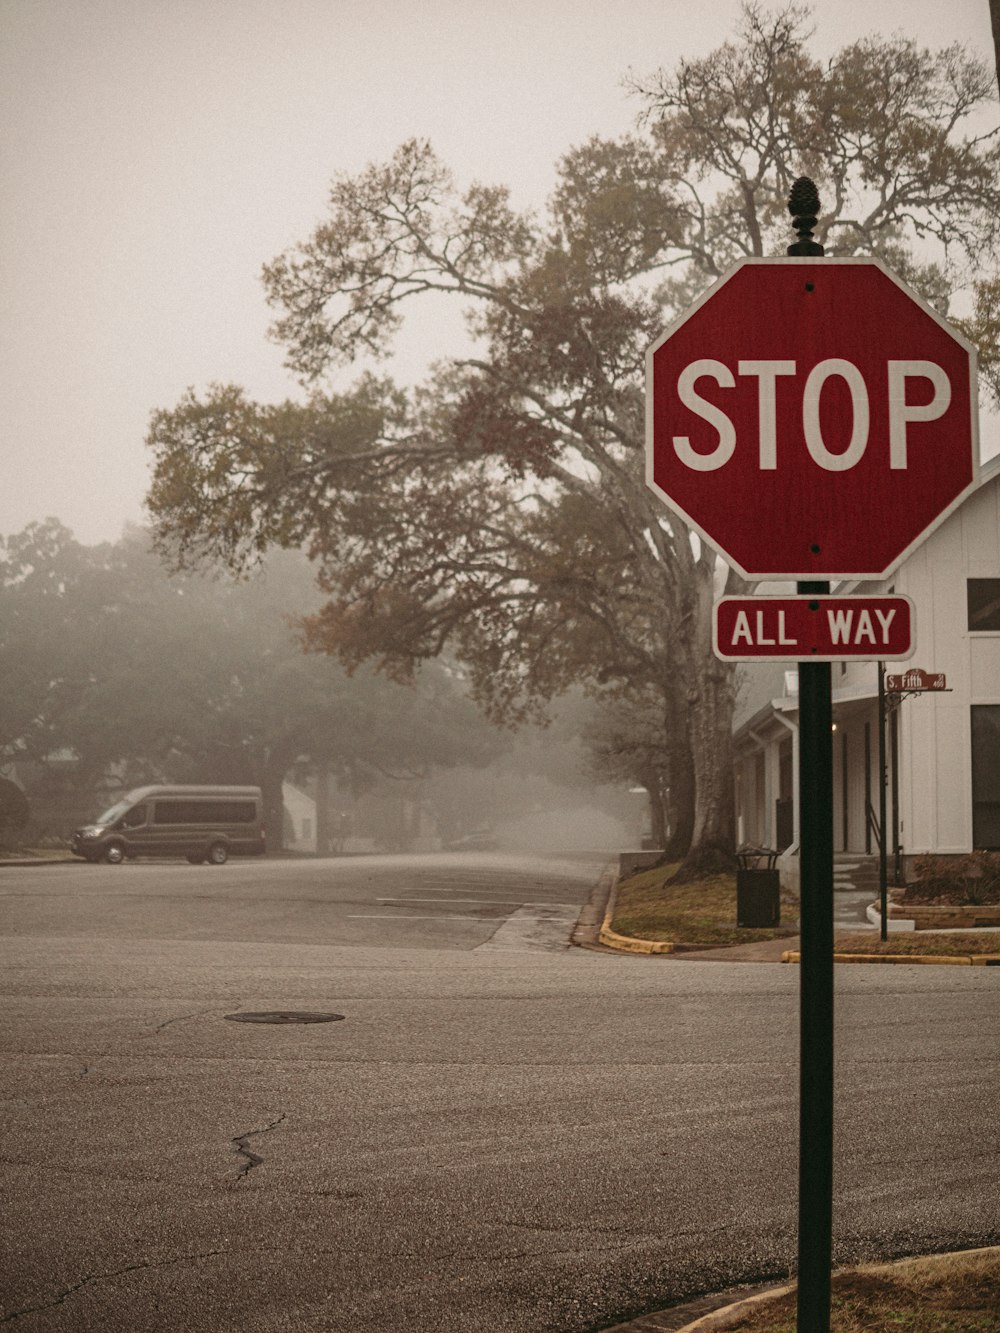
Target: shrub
(955,880)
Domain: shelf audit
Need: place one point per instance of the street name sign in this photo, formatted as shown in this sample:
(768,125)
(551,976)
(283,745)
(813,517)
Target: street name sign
(818,629)
(914,680)
(811,418)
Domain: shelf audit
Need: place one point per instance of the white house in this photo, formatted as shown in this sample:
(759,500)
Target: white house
(300,819)
(943,749)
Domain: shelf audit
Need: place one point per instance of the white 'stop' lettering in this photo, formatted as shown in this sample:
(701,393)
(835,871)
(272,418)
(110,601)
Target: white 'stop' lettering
(841,458)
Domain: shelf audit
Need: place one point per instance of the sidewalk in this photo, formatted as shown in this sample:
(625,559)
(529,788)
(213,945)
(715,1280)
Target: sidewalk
(765,951)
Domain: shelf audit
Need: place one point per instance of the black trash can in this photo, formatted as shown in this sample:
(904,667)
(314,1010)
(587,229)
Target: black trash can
(758,888)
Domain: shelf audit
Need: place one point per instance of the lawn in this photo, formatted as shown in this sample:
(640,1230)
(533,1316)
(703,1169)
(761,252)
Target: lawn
(957,1293)
(703,914)
(700,913)
(925,942)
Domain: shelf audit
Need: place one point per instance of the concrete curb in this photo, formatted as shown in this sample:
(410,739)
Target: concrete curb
(721,1318)
(627,943)
(917,959)
(724,1317)
(586,932)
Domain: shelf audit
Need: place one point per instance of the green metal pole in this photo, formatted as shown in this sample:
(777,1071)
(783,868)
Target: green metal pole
(897,869)
(816,993)
(816,948)
(883,869)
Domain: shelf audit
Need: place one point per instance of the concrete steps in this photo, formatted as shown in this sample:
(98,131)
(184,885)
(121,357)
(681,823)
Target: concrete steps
(855,873)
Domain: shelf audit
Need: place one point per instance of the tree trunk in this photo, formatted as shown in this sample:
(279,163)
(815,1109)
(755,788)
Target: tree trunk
(323,833)
(274,807)
(711,701)
(681,801)
(272,767)
(657,810)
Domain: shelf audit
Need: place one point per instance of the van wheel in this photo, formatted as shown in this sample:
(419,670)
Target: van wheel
(217,854)
(114,853)
(196,860)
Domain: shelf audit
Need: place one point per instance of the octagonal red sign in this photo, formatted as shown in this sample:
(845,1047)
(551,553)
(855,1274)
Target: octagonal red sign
(811,418)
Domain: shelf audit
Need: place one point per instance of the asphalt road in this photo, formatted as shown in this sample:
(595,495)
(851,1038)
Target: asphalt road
(502,1133)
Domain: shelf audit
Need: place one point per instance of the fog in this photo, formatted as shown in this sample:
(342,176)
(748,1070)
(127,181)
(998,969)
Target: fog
(118,675)
(155,155)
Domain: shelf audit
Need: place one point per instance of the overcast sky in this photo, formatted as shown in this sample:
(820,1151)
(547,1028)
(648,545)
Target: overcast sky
(156,152)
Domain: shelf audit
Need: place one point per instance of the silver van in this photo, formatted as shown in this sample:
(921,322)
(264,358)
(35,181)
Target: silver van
(202,823)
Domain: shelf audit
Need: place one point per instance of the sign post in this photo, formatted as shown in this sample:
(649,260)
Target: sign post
(891,691)
(815,929)
(815,991)
(883,858)
(811,419)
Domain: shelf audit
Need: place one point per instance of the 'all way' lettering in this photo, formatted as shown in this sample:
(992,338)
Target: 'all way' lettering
(742,633)
(847,627)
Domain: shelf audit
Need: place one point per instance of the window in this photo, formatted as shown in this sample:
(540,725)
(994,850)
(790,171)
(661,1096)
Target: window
(204,812)
(135,817)
(115,812)
(984,605)
(986,776)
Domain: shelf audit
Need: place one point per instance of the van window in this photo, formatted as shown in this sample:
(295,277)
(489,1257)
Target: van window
(135,817)
(204,812)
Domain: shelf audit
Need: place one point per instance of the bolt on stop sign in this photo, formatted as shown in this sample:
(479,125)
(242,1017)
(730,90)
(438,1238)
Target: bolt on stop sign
(811,418)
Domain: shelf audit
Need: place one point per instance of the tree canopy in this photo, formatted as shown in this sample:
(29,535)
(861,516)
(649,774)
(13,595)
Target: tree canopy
(501,508)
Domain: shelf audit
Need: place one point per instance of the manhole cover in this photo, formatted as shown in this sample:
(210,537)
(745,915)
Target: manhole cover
(284,1016)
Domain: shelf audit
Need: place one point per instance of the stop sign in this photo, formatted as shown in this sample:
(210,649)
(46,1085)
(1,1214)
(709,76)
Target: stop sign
(811,418)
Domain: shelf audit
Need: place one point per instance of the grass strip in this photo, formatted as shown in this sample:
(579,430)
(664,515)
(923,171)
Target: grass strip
(37,853)
(702,913)
(950,1293)
(922,942)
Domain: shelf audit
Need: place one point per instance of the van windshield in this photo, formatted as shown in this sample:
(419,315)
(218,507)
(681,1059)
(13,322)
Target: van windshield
(114,813)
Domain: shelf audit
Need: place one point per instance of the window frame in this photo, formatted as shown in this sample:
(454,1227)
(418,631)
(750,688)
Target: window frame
(986,630)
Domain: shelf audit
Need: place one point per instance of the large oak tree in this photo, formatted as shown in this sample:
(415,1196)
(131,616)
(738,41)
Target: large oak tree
(501,508)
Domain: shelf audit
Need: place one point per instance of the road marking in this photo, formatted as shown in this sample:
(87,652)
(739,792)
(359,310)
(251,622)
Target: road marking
(417,916)
(512,902)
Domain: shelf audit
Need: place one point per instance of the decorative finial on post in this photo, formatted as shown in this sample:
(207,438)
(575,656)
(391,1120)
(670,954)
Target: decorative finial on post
(803,204)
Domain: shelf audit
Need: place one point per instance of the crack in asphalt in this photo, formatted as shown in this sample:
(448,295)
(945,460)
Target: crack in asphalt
(199,1013)
(252,1159)
(88,1278)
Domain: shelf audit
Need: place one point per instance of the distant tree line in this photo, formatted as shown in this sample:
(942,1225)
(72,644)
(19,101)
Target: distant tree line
(117,674)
